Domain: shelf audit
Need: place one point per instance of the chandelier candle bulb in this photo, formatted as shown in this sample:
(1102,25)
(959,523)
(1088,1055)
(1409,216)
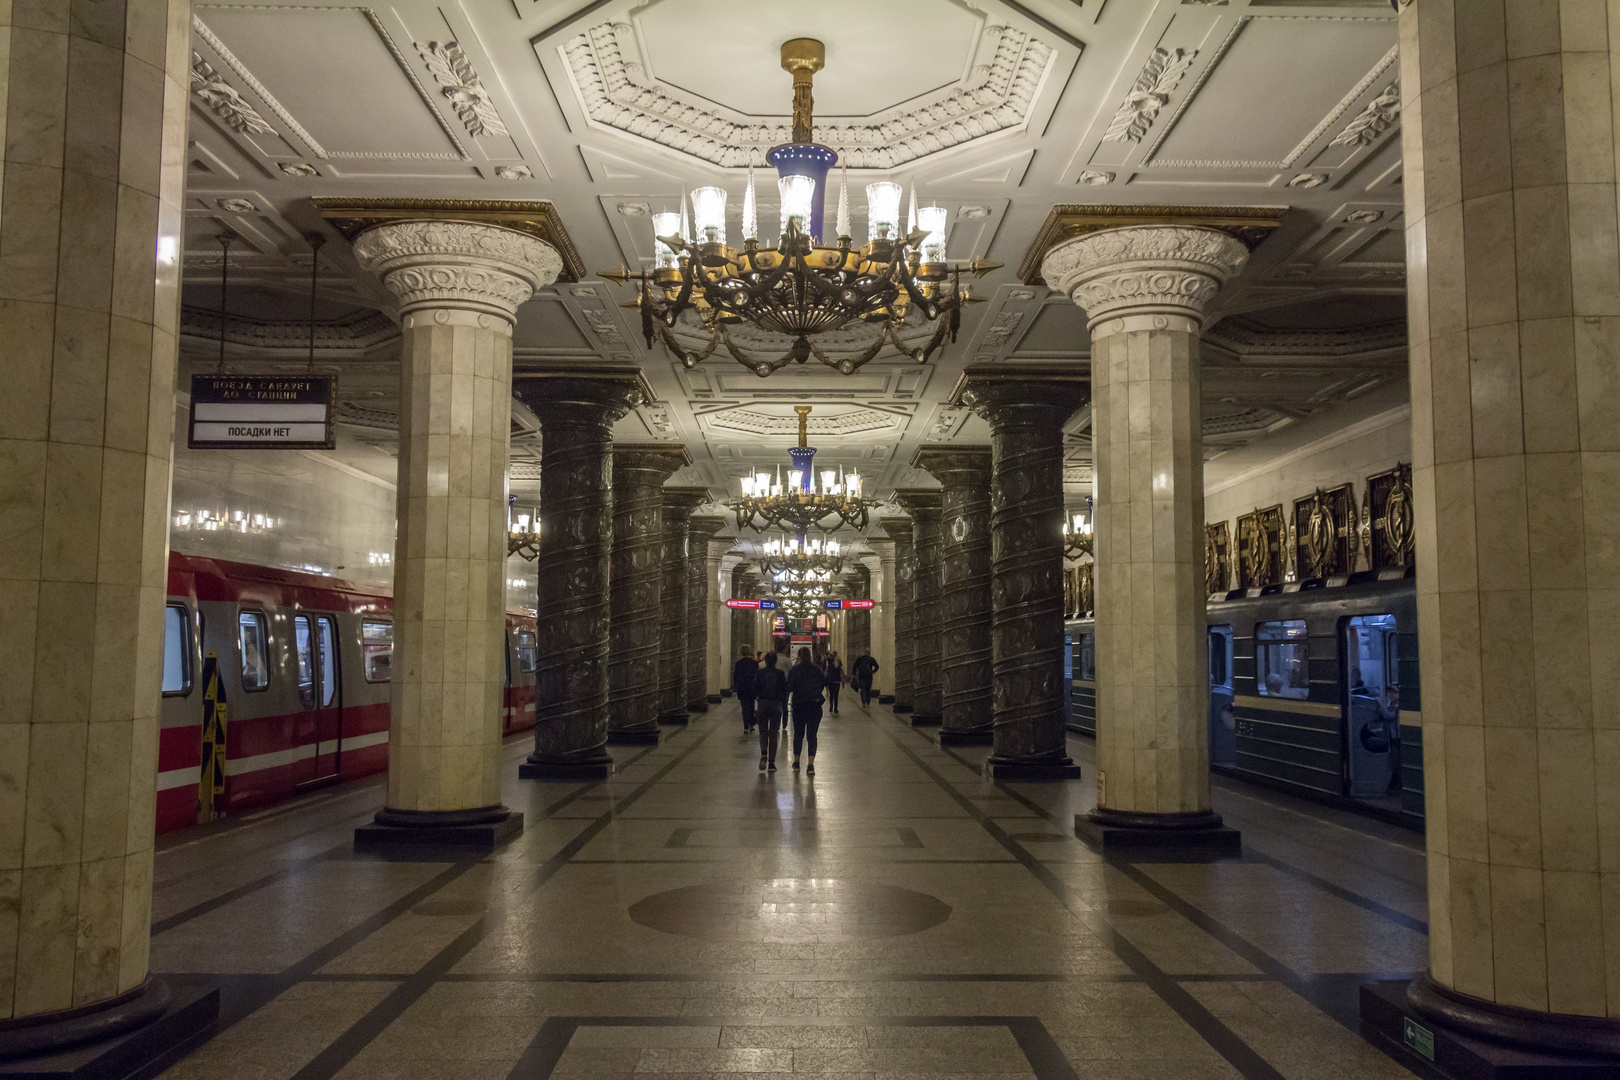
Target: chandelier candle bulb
(798,197)
(882,209)
(932,219)
(665,224)
(709,213)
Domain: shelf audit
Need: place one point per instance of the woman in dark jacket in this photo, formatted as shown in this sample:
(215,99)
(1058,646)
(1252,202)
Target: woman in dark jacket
(805,682)
(835,681)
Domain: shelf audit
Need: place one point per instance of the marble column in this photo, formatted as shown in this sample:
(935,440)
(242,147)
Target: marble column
(674,617)
(742,619)
(923,504)
(635,580)
(883,618)
(1509,138)
(899,530)
(860,620)
(697,610)
(94,168)
(964,619)
(577,413)
(1144,289)
(1026,409)
(723,653)
(459,284)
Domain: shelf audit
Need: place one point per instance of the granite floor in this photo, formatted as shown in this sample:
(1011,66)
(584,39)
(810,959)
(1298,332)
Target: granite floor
(894,916)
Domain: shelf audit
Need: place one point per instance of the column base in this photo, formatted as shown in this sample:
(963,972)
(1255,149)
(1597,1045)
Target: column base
(109,1040)
(1060,768)
(697,705)
(923,719)
(715,699)
(1465,1038)
(885,699)
(969,737)
(568,768)
(1120,830)
(640,735)
(901,706)
(676,717)
(482,829)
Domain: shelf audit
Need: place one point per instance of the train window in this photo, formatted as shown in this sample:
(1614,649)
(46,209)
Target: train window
(1220,661)
(176,651)
(1282,667)
(304,639)
(254,643)
(527,650)
(326,632)
(1088,658)
(377,650)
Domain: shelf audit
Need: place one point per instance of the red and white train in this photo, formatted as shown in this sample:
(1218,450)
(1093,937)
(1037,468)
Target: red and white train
(304,664)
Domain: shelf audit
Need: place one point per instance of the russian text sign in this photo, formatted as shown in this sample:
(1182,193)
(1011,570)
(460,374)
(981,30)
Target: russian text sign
(273,412)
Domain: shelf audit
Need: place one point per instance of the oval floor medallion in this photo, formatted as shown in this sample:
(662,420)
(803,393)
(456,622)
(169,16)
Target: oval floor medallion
(790,909)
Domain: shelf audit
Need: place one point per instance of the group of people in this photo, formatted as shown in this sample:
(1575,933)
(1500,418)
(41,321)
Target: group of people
(769,695)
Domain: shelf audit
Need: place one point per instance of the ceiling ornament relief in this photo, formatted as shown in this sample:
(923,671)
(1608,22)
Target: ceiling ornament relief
(852,422)
(1248,338)
(1144,268)
(615,91)
(358,334)
(1150,93)
(1377,118)
(458,264)
(223,100)
(457,80)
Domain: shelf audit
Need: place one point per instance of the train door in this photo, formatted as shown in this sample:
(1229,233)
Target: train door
(1222,723)
(1371,694)
(320,695)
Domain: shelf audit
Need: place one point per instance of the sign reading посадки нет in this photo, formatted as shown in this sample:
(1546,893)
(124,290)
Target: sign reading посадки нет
(272,412)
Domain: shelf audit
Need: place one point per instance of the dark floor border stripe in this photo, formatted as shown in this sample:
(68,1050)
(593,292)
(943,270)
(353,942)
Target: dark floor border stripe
(1221,1038)
(197,911)
(1046,1059)
(347,1046)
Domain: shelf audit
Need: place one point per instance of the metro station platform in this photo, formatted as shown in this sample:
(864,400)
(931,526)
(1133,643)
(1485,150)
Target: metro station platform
(897,915)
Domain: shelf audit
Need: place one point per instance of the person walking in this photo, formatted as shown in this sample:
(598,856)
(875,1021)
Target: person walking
(805,682)
(771,698)
(861,673)
(743,676)
(835,681)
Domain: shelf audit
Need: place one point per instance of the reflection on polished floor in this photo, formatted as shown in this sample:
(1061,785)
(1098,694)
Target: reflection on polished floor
(896,916)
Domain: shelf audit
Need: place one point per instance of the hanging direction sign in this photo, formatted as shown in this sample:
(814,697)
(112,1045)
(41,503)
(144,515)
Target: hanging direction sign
(271,412)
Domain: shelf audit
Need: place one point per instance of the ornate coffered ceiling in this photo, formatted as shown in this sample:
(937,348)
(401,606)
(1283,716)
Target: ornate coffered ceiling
(998,111)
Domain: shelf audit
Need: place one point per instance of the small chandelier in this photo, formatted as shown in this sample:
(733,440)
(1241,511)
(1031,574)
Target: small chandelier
(799,556)
(1077,535)
(522,531)
(808,584)
(802,287)
(767,503)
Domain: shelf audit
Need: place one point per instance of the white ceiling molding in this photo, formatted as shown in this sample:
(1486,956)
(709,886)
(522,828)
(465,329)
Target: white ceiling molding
(617,90)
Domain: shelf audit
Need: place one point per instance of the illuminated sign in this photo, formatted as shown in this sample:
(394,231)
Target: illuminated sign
(276,412)
(751,604)
(853,605)
(767,605)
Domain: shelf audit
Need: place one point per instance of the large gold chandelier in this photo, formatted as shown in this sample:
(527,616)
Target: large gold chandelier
(802,287)
(800,503)
(800,556)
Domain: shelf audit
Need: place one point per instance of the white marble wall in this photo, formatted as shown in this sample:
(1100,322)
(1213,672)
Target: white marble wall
(93,128)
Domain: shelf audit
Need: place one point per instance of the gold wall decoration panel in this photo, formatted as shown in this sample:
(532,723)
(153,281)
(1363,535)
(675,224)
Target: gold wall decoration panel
(1391,535)
(1217,558)
(1262,552)
(1325,532)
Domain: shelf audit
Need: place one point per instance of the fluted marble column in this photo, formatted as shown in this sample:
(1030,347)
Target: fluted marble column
(883,618)
(923,504)
(703,530)
(1026,409)
(459,284)
(1509,137)
(1144,289)
(899,530)
(742,619)
(964,619)
(672,607)
(635,581)
(92,204)
(860,620)
(577,413)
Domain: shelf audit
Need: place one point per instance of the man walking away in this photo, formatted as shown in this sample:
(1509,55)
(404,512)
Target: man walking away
(835,681)
(771,692)
(805,682)
(744,674)
(862,671)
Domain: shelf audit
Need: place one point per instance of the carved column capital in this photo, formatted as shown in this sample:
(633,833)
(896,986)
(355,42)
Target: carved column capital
(484,270)
(1008,397)
(1160,272)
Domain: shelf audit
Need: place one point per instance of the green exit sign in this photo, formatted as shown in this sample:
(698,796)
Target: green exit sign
(1419,1038)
